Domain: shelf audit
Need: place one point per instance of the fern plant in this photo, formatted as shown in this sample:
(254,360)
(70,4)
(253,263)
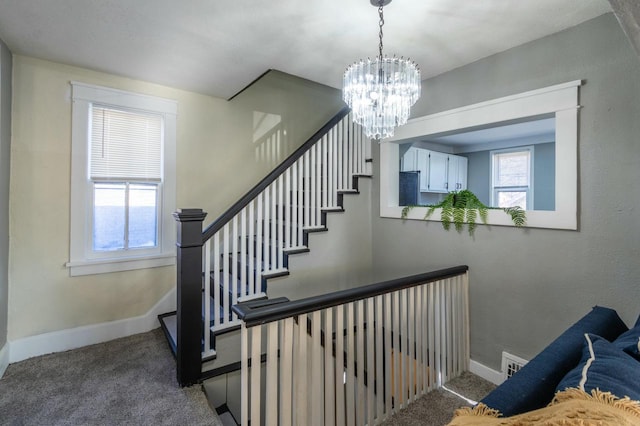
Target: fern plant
(464,207)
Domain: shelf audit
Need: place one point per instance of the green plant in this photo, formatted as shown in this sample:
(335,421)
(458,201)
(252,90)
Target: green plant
(464,207)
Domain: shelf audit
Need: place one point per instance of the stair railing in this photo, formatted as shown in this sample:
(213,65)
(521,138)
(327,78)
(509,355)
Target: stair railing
(252,240)
(353,357)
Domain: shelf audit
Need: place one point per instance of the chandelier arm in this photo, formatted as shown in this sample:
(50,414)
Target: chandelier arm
(380,23)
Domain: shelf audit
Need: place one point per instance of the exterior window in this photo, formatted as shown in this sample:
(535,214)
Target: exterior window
(123,181)
(512,180)
(125,216)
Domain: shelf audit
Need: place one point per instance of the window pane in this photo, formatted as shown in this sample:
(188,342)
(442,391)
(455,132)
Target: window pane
(108,216)
(512,199)
(512,169)
(143,216)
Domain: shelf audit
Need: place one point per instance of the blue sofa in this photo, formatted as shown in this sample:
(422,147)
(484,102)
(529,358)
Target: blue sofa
(534,385)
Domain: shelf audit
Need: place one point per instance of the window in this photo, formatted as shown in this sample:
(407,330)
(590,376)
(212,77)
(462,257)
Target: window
(511,177)
(123,181)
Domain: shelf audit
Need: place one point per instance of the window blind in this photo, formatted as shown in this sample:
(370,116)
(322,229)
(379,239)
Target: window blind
(125,145)
(512,168)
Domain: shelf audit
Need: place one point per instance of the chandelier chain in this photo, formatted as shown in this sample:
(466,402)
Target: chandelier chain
(381,23)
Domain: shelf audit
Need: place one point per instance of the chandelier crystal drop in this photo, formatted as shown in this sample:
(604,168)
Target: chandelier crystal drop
(380,92)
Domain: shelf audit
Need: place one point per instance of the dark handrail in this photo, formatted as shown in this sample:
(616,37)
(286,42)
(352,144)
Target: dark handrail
(271,177)
(253,316)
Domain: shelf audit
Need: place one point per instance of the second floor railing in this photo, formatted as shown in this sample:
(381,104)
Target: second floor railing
(356,356)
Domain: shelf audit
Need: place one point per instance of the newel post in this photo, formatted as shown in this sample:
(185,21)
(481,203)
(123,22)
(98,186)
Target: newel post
(189,289)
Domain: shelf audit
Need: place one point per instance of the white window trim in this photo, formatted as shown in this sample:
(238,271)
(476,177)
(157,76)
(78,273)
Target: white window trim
(560,100)
(80,263)
(496,189)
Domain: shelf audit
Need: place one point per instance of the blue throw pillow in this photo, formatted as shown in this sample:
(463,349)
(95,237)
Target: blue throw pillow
(603,366)
(629,342)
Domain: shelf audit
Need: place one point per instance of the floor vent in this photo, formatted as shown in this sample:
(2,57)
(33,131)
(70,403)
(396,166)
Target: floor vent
(511,364)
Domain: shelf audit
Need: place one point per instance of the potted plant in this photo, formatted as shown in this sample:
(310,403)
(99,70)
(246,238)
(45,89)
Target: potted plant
(460,207)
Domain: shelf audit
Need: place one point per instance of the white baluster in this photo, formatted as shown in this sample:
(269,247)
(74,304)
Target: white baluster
(318,170)
(243,252)
(340,156)
(371,367)
(234,265)
(216,278)
(312,188)
(273,240)
(419,344)
(266,253)
(317,382)
(301,373)
(335,167)
(331,168)
(360,351)
(287,209)
(225,273)
(397,369)
(256,400)
(307,191)
(281,223)
(388,355)
(252,244)
(404,347)
(300,199)
(350,391)
(380,380)
(339,366)
(330,365)
(325,178)
(271,387)
(259,244)
(411,341)
(244,375)
(207,297)
(286,369)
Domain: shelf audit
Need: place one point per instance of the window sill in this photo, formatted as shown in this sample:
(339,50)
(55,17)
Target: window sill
(104,266)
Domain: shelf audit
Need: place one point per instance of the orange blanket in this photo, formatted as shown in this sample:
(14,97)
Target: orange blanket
(568,408)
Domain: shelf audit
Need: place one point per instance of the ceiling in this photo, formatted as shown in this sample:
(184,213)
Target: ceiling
(540,130)
(218,47)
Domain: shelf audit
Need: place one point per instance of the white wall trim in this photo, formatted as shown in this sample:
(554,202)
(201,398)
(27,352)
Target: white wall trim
(72,338)
(559,100)
(4,359)
(485,372)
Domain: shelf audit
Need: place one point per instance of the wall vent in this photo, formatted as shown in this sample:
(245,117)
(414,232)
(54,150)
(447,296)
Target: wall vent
(511,364)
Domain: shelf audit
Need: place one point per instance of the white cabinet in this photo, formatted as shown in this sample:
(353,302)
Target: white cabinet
(423,168)
(409,160)
(417,160)
(457,176)
(439,172)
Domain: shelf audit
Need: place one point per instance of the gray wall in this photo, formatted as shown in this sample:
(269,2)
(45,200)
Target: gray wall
(527,286)
(479,174)
(544,191)
(5,144)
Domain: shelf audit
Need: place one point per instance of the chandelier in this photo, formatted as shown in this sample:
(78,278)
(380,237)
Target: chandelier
(380,92)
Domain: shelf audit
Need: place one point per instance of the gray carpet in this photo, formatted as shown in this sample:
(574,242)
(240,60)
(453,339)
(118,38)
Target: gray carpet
(437,407)
(128,381)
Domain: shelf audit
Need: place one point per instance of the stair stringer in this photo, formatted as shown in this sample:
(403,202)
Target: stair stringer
(337,259)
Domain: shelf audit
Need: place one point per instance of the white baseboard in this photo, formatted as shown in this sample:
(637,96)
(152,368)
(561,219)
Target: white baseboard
(73,338)
(4,359)
(485,372)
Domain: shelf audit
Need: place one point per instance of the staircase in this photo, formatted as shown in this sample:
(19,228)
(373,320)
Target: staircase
(232,260)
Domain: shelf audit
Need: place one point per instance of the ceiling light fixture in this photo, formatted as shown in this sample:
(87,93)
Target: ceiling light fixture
(380,92)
